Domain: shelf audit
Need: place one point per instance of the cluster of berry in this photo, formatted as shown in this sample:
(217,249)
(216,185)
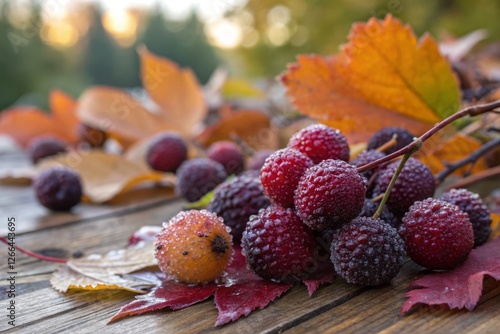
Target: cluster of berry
(310,212)
(318,198)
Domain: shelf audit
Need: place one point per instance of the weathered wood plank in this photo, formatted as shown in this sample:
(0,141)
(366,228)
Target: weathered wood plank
(377,310)
(31,216)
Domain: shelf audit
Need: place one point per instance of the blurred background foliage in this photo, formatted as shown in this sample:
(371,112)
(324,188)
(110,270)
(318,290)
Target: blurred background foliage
(71,45)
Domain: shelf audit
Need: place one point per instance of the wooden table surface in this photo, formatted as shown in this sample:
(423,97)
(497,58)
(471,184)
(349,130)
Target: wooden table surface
(335,308)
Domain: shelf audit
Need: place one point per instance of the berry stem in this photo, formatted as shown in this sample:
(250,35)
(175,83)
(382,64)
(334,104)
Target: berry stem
(393,181)
(33,254)
(389,144)
(416,144)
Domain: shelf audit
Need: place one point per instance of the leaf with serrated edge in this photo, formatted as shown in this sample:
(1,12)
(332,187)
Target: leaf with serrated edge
(460,287)
(367,87)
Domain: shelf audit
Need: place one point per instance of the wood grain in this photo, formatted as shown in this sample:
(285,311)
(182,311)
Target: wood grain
(335,308)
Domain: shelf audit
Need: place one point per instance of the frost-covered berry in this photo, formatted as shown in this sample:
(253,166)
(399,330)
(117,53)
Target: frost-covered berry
(197,177)
(415,183)
(437,234)
(478,212)
(194,247)
(367,251)
(236,200)
(330,194)
(278,246)
(281,174)
(320,142)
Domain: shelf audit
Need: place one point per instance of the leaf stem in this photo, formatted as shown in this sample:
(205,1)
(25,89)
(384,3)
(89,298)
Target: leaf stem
(33,254)
(416,144)
(393,181)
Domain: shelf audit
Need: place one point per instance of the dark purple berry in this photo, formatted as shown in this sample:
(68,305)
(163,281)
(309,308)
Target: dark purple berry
(197,177)
(43,147)
(404,137)
(415,183)
(278,246)
(58,188)
(166,152)
(479,215)
(368,252)
(236,200)
(365,158)
(387,216)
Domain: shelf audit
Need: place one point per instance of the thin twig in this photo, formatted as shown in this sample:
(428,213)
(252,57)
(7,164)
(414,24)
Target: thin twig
(33,254)
(416,144)
(470,159)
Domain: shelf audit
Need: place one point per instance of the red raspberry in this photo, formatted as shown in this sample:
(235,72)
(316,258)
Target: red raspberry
(166,152)
(367,251)
(229,155)
(320,142)
(196,177)
(236,200)
(404,137)
(58,188)
(278,246)
(415,183)
(479,215)
(281,174)
(46,146)
(437,234)
(330,194)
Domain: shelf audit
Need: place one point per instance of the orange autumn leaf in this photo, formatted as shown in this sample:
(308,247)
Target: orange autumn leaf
(25,123)
(383,77)
(118,113)
(105,175)
(495,225)
(253,127)
(435,153)
(178,103)
(175,90)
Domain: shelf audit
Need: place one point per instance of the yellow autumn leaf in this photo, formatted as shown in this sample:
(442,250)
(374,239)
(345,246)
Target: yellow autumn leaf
(106,175)
(383,77)
(435,153)
(106,272)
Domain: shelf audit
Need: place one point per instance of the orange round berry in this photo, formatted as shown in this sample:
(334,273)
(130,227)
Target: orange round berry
(194,247)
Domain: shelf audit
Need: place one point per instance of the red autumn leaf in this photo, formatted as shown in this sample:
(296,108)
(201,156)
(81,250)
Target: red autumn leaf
(241,293)
(244,292)
(313,284)
(460,287)
(169,294)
